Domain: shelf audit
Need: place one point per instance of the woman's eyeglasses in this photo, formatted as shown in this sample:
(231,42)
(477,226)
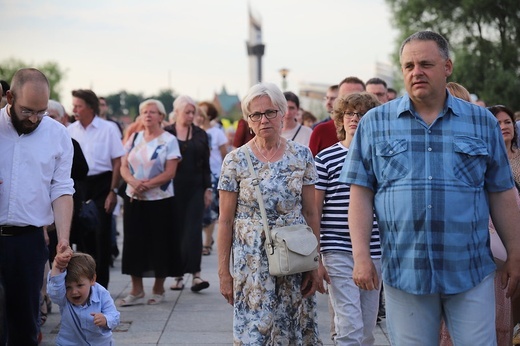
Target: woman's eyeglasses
(353,114)
(269,114)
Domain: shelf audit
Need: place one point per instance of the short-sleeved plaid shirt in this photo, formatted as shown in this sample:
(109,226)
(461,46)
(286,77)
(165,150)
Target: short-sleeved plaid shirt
(430,186)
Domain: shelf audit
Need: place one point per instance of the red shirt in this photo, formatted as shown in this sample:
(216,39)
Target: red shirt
(242,134)
(323,136)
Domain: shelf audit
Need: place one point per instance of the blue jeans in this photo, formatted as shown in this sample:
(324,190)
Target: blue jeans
(355,309)
(415,319)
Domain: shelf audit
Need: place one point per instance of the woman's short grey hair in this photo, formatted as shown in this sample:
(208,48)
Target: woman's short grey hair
(155,102)
(442,43)
(56,106)
(181,102)
(264,89)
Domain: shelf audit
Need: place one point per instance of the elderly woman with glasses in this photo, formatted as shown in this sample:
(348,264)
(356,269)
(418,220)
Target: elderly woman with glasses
(150,164)
(268,310)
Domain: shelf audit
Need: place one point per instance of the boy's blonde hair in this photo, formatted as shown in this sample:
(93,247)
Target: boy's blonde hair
(81,265)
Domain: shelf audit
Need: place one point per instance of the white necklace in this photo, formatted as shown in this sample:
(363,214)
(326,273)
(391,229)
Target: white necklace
(267,159)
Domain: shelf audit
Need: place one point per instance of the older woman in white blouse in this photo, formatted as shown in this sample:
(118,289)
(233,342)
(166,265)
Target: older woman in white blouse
(148,167)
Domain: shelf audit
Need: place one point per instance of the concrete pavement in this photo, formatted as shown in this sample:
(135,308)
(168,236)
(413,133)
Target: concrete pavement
(184,317)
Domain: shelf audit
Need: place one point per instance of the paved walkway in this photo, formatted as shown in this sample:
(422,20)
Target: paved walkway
(184,318)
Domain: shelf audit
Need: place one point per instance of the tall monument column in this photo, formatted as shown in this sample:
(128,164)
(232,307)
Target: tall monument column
(255,50)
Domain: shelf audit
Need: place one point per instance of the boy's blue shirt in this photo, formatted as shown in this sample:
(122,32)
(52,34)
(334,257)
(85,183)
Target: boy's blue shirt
(77,325)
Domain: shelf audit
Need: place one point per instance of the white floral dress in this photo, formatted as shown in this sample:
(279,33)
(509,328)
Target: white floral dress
(268,310)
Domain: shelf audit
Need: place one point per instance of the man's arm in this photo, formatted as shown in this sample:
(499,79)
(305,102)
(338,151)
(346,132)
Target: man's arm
(506,218)
(360,220)
(62,208)
(111,200)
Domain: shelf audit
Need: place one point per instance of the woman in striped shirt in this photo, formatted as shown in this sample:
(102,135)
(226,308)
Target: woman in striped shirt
(355,309)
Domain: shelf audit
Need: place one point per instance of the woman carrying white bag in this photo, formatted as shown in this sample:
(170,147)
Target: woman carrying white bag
(268,309)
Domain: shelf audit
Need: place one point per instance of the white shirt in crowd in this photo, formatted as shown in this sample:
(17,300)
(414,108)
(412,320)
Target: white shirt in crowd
(100,143)
(35,170)
(300,134)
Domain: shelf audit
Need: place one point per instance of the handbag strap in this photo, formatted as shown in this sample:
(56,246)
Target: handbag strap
(297,131)
(256,183)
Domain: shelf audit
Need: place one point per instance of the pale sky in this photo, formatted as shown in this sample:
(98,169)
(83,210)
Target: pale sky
(195,46)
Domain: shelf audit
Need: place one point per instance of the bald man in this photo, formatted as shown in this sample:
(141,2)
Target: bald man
(35,190)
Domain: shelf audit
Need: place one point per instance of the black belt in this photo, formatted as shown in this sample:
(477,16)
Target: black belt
(11,231)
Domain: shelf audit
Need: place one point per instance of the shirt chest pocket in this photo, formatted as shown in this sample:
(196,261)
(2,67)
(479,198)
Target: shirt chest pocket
(393,159)
(470,158)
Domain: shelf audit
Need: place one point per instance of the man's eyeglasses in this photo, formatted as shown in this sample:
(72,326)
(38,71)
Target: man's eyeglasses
(27,113)
(269,114)
(353,114)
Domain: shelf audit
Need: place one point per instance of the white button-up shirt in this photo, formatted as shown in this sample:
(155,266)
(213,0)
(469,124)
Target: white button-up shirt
(34,170)
(100,142)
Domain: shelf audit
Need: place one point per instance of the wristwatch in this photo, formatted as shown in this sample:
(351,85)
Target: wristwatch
(115,190)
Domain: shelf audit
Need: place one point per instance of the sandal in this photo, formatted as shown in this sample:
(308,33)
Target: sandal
(178,286)
(200,285)
(131,300)
(206,250)
(155,299)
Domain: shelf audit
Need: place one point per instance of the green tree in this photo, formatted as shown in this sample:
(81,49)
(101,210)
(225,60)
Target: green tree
(51,69)
(124,103)
(485,40)
(167,98)
(132,104)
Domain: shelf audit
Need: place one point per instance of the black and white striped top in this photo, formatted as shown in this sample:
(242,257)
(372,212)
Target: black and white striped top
(334,229)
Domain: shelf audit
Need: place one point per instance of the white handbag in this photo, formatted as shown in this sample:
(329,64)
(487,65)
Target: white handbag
(290,249)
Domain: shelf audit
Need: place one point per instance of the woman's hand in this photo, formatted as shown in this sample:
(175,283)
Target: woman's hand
(139,186)
(310,283)
(226,288)
(323,275)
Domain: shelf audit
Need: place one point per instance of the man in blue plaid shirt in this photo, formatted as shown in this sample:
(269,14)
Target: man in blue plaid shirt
(434,167)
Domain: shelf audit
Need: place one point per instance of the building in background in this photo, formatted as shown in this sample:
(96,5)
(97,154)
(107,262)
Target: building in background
(228,105)
(255,49)
(386,72)
(311,98)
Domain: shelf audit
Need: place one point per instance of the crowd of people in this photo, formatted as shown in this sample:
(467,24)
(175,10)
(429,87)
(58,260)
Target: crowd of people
(413,199)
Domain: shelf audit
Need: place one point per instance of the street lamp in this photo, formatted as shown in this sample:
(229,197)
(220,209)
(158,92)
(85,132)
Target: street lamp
(284,72)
